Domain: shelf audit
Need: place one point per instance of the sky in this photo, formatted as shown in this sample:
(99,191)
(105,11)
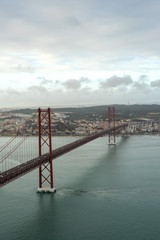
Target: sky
(60,53)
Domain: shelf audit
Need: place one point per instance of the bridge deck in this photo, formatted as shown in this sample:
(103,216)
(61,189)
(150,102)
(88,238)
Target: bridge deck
(24,168)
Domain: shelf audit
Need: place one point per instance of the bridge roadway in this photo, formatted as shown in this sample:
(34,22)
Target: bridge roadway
(26,167)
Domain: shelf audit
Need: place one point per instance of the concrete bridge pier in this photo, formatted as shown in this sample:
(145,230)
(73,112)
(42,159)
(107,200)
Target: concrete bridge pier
(46,190)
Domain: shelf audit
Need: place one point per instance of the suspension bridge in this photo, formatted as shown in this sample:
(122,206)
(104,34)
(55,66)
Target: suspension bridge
(43,158)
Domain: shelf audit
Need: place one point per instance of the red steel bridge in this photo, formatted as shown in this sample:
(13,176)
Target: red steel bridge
(43,161)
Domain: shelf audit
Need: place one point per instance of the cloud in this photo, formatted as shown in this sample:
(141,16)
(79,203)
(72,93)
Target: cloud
(140,85)
(72,84)
(143,78)
(13,92)
(110,31)
(21,68)
(84,80)
(58,82)
(37,95)
(44,81)
(38,89)
(71,21)
(116,81)
(69,39)
(155,83)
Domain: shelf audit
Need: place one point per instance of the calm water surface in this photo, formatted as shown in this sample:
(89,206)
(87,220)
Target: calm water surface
(102,193)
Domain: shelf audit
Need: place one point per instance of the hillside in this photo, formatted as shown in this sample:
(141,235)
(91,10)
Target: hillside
(90,113)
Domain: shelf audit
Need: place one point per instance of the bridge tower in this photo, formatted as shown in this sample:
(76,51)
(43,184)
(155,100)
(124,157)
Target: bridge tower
(45,145)
(111,124)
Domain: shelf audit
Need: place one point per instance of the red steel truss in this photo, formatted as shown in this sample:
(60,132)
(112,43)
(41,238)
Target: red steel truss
(111,124)
(45,169)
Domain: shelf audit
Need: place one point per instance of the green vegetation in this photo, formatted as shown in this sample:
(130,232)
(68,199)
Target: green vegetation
(100,112)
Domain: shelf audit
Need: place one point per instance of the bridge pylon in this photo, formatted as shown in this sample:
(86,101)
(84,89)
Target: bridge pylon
(45,145)
(111,123)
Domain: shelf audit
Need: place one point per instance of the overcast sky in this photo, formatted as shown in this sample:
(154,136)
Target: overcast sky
(77,53)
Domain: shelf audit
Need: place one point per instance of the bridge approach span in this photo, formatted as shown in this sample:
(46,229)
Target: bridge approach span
(24,168)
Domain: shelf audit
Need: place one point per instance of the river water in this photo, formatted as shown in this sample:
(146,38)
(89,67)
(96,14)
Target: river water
(103,192)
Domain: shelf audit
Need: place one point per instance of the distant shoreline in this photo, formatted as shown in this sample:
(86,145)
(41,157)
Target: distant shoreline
(118,135)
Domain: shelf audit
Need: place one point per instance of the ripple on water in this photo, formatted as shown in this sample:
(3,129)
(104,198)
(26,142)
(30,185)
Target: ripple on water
(115,194)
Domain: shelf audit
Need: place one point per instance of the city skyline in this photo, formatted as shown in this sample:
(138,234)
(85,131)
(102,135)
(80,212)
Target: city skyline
(71,53)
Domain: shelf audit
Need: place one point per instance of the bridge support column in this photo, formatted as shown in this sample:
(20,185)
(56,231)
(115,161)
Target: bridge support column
(111,123)
(45,145)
